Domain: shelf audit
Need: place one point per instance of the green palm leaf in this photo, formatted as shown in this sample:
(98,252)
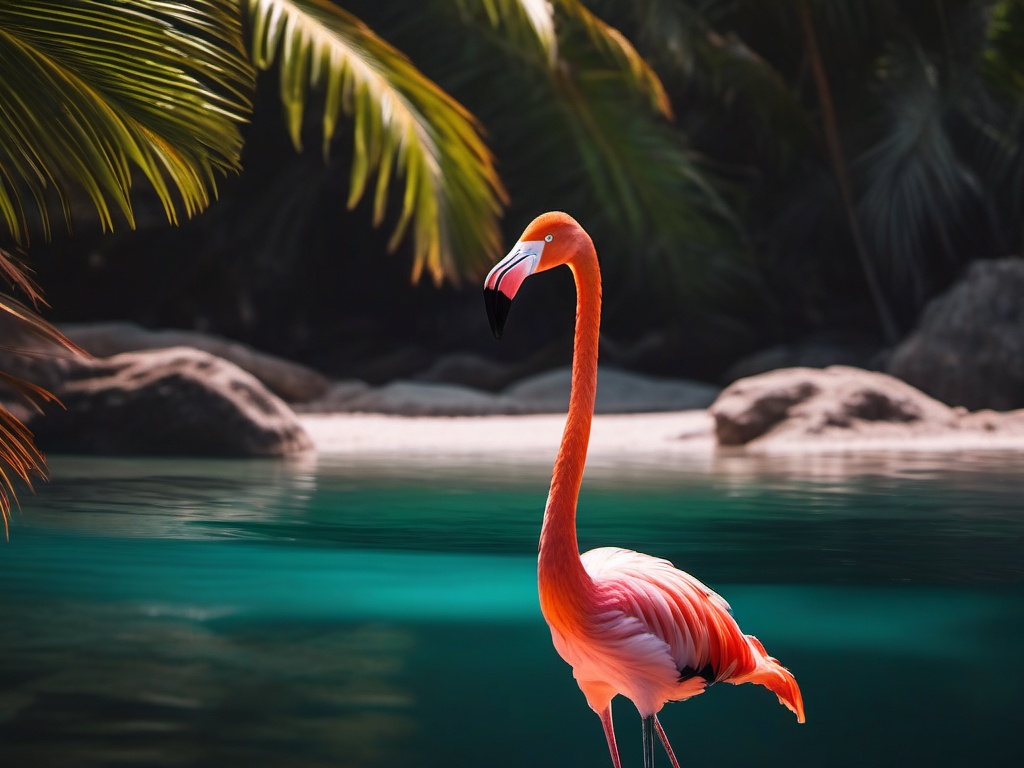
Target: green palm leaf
(613,43)
(525,24)
(918,191)
(581,136)
(92,92)
(403,125)
(522,22)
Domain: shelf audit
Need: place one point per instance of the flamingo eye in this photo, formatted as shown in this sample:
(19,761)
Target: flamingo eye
(548,238)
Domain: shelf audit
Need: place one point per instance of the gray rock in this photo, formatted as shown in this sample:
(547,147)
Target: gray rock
(618,391)
(177,401)
(802,403)
(337,398)
(469,370)
(410,398)
(968,348)
(290,381)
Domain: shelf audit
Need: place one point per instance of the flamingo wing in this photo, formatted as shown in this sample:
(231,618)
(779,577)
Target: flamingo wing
(693,621)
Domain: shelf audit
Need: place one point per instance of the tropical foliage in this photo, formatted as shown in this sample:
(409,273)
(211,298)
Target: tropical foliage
(97,97)
(19,457)
(871,142)
(791,165)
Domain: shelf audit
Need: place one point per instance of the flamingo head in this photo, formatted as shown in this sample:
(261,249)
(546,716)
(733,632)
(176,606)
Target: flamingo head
(552,239)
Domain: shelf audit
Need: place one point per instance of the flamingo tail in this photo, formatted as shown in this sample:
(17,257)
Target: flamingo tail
(777,679)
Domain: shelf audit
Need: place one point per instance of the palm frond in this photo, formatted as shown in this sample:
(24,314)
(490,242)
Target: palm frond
(404,126)
(606,38)
(580,137)
(642,174)
(19,457)
(92,91)
(918,192)
(524,24)
(16,273)
(538,26)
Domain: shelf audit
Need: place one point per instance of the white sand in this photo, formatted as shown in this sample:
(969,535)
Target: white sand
(635,434)
(647,436)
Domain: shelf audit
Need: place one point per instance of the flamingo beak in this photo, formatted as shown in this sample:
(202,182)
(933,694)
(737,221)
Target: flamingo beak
(504,280)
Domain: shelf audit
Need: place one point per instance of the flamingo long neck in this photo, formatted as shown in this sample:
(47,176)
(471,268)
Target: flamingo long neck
(563,583)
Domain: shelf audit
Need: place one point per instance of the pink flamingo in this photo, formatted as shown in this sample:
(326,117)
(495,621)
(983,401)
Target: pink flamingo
(626,623)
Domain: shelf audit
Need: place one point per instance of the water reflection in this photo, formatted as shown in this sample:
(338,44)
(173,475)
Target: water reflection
(169,498)
(130,686)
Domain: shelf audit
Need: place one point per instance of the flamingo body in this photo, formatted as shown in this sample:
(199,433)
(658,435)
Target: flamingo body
(626,623)
(655,634)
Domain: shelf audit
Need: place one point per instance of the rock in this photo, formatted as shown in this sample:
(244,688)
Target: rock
(392,365)
(469,370)
(810,354)
(618,391)
(290,381)
(178,401)
(809,403)
(968,348)
(410,398)
(337,398)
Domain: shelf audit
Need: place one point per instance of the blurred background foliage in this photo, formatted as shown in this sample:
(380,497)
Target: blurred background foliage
(754,172)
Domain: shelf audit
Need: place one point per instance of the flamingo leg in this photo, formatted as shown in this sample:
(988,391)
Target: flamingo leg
(664,742)
(609,733)
(648,733)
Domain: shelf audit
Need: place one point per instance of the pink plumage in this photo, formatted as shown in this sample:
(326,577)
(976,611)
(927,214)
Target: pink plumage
(628,624)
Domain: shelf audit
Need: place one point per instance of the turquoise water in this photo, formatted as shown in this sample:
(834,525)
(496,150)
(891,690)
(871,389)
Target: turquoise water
(184,613)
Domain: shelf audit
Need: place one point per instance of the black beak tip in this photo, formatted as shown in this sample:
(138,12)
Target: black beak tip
(498,305)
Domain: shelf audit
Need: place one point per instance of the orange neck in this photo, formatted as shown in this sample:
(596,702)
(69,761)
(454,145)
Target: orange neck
(562,581)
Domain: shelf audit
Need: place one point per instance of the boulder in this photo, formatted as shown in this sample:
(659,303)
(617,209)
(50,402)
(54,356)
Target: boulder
(618,391)
(336,399)
(968,348)
(292,382)
(835,402)
(469,370)
(178,401)
(414,398)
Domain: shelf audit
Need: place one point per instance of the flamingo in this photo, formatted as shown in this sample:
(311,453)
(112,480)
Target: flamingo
(627,623)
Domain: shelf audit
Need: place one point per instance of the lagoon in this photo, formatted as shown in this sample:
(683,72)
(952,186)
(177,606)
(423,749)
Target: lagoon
(382,611)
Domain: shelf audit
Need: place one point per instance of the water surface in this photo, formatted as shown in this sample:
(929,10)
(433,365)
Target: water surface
(384,613)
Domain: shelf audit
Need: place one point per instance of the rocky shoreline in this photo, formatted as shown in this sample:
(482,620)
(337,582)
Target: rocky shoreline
(166,399)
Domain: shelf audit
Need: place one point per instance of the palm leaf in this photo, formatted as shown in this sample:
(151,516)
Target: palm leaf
(642,174)
(580,137)
(541,23)
(403,126)
(524,24)
(613,43)
(19,457)
(92,91)
(918,191)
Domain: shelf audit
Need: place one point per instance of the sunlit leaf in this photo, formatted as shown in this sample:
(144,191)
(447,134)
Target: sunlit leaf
(613,43)
(93,93)
(404,129)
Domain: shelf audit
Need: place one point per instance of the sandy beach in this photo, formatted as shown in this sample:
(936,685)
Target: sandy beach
(648,436)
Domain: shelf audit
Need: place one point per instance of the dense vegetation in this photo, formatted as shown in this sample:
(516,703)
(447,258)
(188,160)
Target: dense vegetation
(754,171)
